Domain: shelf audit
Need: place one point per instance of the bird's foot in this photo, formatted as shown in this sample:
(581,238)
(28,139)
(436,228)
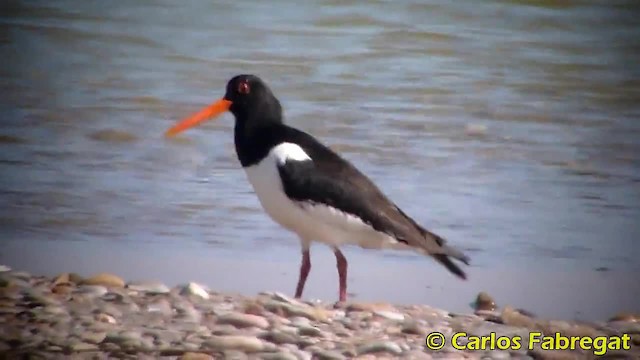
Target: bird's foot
(340,305)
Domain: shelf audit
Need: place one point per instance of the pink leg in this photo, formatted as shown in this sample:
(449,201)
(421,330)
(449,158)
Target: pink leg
(341,263)
(305,267)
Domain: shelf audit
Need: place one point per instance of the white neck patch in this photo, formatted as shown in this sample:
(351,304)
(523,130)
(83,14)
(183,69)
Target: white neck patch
(288,151)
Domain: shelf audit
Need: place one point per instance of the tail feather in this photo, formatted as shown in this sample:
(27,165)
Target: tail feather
(437,247)
(455,253)
(444,260)
(447,251)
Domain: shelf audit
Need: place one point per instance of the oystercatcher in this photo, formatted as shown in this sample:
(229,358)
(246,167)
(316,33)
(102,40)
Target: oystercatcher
(312,191)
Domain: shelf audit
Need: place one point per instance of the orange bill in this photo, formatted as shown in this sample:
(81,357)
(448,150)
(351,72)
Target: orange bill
(207,113)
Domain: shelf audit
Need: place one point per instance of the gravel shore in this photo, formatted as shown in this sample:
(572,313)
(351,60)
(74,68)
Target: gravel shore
(103,316)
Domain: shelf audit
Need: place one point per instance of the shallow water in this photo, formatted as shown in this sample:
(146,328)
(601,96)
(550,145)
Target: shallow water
(508,127)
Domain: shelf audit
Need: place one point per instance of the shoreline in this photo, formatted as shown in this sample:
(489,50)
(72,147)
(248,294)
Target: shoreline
(104,316)
(551,289)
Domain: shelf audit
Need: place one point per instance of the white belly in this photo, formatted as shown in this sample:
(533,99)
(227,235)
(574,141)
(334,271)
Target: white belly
(312,222)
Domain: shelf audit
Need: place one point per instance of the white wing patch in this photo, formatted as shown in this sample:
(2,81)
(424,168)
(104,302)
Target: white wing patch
(341,228)
(288,151)
(334,217)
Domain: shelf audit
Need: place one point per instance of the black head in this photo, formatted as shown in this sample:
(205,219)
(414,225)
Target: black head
(247,97)
(251,99)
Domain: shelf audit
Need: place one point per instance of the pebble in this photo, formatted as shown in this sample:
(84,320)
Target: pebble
(281,337)
(278,296)
(195,290)
(311,331)
(162,307)
(301,355)
(196,356)
(61,279)
(244,320)
(539,354)
(123,336)
(370,307)
(80,347)
(234,355)
(497,355)
(311,313)
(36,297)
(92,290)
(235,342)
(62,289)
(625,316)
(417,355)
(105,318)
(380,346)
(149,287)
(20,275)
(145,321)
(513,317)
(490,315)
(328,355)
(278,356)
(413,327)
(188,312)
(54,310)
(391,315)
(93,337)
(104,279)
(484,301)
(624,327)
(109,309)
(300,321)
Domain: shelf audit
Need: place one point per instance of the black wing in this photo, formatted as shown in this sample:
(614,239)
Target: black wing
(329,179)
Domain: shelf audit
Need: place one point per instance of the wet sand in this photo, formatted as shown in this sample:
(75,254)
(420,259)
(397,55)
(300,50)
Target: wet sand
(549,291)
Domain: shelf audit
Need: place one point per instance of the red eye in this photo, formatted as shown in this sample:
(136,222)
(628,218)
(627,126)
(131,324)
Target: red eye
(243,88)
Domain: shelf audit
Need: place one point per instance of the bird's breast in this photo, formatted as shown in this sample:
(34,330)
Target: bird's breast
(267,184)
